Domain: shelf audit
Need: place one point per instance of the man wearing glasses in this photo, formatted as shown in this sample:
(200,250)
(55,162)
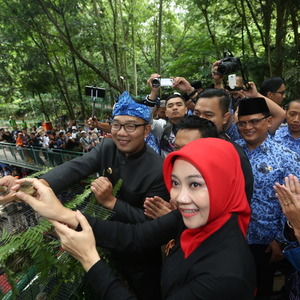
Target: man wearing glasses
(289,134)
(124,157)
(274,89)
(271,162)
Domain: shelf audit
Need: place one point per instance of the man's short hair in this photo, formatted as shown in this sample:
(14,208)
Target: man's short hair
(293,101)
(271,85)
(224,98)
(206,127)
(174,96)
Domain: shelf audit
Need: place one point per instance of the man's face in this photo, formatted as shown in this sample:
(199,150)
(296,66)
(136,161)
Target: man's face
(130,142)
(277,96)
(209,108)
(161,112)
(293,118)
(254,135)
(175,109)
(185,136)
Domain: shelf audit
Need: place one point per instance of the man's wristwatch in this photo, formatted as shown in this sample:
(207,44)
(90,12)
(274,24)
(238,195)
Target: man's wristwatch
(192,93)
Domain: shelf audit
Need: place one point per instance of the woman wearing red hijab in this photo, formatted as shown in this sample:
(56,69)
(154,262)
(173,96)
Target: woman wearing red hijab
(209,259)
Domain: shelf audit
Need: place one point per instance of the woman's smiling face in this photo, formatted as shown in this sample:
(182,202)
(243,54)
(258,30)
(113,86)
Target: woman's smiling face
(190,193)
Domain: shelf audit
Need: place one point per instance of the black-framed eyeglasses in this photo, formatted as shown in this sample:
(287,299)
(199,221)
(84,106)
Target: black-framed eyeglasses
(282,92)
(253,122)
(128,127)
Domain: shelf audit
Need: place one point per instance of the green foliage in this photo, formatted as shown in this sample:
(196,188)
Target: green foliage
(39,247)
(51,49)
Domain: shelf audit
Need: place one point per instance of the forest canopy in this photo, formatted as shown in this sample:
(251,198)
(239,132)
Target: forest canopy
(52,49)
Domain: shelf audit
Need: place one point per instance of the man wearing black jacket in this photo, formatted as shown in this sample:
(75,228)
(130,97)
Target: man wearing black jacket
(124,157)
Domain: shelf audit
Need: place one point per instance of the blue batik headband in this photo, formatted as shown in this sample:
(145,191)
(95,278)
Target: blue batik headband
(126,106)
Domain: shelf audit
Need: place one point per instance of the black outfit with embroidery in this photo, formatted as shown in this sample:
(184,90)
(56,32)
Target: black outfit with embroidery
(220,268)
(142,177)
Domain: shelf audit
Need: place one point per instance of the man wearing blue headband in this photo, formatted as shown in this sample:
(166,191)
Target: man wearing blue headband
(125,157)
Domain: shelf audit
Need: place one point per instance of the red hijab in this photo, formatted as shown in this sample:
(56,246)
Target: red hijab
(219,164)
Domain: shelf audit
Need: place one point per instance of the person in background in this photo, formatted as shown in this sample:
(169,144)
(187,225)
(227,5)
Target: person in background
(176,107)
(274,88)
(71,144)
(270,162)
(85,141)
(289,134)
(24,124)
(19,145)
(12,122)
(74,133)
(94,140)
(160,111)
(61,141)
(216,76)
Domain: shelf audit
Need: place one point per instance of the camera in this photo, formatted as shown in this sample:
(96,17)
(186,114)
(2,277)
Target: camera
(157,82)
(229,65)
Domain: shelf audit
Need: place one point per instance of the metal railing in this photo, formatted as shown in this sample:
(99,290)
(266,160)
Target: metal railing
(34,158)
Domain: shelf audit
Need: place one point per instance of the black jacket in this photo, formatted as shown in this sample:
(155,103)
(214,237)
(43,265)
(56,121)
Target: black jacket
(221,267)
(141,174)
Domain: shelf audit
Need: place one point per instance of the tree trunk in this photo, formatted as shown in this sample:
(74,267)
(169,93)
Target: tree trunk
(203,8)
(265,36)
(245,24)
(159,33)
(44,111)
(123,56)
(281,23)
(295,24)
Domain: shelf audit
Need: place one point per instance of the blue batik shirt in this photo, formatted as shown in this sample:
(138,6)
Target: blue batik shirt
(233,132)
(284,137)
(151,141)
(271,162)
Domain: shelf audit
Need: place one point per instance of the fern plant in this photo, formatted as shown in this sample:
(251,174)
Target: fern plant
(37,249)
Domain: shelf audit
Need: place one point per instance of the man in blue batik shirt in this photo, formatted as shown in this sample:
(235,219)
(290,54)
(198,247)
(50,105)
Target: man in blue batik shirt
(271,162)
(289,134)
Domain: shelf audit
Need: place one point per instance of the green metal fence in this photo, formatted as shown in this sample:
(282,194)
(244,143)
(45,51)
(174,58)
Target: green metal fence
(34,158)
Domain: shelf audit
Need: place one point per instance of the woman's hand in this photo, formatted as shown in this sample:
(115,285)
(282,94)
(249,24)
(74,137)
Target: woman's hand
(289,199)
(156,207)
(45,202)
(80,244)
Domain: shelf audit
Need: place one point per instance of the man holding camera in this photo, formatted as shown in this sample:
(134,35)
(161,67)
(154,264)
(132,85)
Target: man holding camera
(176,109)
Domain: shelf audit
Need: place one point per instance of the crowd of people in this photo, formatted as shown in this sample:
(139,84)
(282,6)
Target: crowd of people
(207,173)
(37,145)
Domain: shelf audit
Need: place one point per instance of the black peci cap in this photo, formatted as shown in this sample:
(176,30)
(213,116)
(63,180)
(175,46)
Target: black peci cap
(253,106)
